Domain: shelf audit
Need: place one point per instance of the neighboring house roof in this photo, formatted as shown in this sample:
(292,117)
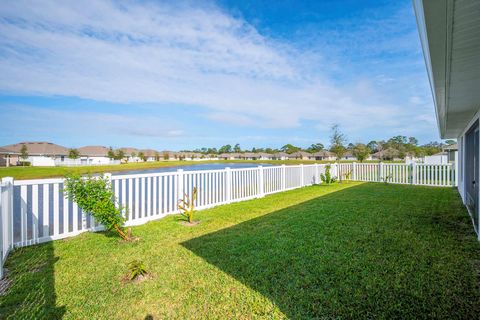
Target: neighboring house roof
(129,150)
(5,151)
(149,152)
(300,154)
(225,155)
(40,148)
(348,154)
(190,154)
(171,154)
(323,153)
(249,155)
(390,153)
(280,154)
(452,147)
(264,154)
(93,151)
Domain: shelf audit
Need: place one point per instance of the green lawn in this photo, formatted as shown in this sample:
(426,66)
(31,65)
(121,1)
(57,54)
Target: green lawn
(347,251)
(23,173)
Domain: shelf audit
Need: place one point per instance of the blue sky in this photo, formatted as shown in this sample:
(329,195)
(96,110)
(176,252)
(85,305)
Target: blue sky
(203,74)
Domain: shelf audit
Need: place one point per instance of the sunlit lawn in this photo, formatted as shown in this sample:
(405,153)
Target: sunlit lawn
(347,251)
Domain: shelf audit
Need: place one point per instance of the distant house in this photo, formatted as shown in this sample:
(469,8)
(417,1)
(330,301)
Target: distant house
(452,151)
(230,156)
(301,155)
(264,156)
(248,156)
(324,155)
(348,156)
(191,156)
(169,155)
(94,155)
(131,154)
(280,156)
(149,154)
(387,154)
(8,157)
(39,153)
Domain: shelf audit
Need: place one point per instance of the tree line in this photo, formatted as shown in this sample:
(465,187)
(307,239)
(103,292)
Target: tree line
(395,147)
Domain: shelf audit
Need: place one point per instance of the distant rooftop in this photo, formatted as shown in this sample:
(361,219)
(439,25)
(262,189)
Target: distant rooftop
(38,148)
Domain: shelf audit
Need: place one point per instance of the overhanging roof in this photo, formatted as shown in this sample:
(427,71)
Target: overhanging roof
(450,36)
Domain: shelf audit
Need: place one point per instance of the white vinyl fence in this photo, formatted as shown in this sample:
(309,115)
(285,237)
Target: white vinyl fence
(437,175)
(35,211)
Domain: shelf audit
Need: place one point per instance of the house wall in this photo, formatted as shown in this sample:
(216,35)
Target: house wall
(461,163)
(41,161)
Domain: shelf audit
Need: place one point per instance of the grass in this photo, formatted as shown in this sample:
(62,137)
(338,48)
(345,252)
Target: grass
(22,173)
(348,250)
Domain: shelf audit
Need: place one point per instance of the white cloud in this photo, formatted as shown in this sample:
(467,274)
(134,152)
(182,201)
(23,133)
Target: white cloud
(81,123)
(175,54)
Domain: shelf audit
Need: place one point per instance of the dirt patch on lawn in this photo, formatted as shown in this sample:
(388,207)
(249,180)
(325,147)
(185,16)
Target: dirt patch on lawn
(188,224)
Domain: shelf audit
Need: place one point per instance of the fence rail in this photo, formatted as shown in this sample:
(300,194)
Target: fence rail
(36,211)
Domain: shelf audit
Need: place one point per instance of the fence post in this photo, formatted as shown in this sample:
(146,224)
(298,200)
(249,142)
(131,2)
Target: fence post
(334,170)
(302,181)
(317,179)
(284,173)
(414,173)
(228,185)
(380,174)
(261,190)
(6,219)
(354,171)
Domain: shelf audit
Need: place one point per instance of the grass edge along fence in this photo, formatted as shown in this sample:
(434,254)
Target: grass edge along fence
(36,211)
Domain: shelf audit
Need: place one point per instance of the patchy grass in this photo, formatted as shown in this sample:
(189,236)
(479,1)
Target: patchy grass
(342,251)
(22,173)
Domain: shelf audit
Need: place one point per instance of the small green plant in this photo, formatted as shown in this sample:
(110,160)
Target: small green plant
(327,176)
(187,205)
(387,178)
(136,268)
(348,175)
(95,196)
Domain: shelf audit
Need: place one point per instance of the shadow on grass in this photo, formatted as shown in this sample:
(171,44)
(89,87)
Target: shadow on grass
(355,253)
(32,285)
(29,280)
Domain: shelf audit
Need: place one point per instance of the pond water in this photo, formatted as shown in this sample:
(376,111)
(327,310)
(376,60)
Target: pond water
(194,167)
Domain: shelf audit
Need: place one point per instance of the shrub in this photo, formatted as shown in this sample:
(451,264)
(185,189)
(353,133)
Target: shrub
(95,196)
(136,268)
(327,176)
(187,205)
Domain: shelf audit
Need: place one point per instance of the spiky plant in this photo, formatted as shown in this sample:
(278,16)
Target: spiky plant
(187,205)
(348,175)
(136,268)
